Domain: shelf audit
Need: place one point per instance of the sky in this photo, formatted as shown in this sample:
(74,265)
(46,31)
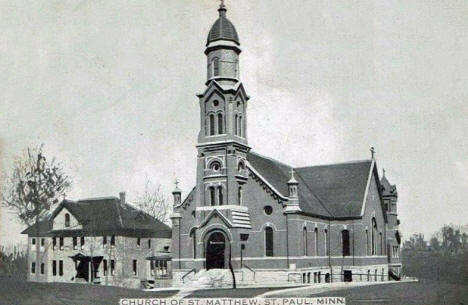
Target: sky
(110,88)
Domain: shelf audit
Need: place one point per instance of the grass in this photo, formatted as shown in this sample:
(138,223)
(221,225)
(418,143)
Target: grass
(19,292)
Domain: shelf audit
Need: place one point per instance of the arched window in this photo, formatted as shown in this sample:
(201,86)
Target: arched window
(241,129)
(304,240)
(374,237)
(216,66)
(381,243)
(268,241)
(220,123)
(67,220)
(240,166)
(239,195)
(212,124)
(345,242)
(220,195)
(235,124)
(316,241)
(367,242)
(212,196)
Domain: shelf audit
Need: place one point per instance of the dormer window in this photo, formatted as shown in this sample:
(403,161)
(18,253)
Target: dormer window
(67,220)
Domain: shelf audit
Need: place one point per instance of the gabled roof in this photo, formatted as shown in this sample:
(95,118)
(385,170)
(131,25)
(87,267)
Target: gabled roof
(105,215)
(331,191)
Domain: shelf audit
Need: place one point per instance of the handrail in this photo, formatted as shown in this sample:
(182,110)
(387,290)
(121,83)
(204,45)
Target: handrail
(250,270)
(183,276)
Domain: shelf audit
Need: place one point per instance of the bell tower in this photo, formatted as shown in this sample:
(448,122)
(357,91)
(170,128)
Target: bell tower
(222,140)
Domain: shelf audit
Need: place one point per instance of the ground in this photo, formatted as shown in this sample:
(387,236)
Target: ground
(17,292)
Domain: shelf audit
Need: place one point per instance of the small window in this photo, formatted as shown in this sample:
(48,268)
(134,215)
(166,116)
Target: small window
(75,242)
(149,243)
(33,267)
(42,242)
(61,268)
(212,124)
(54,242)
(82,242)
(113,240)
(220,195)
(112,263)
(135,267)
(54,268)
(235,124)
(61,242)
(42,268)
(268,210)
(33,241)
(67,220)
(138,241)
(215,103)
(212,196)
(104,240)
(220,123)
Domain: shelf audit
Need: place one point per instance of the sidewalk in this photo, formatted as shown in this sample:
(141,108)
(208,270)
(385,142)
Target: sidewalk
(324,287)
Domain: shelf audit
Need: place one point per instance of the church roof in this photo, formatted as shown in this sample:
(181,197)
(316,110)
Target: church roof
(332,191)
(222,29)
(105,215)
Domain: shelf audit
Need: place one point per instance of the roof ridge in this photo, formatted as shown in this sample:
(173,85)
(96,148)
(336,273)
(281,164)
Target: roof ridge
(339,163)
(97,198)
(271,159)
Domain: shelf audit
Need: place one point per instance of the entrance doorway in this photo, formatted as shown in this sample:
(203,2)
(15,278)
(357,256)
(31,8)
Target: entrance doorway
(215,251)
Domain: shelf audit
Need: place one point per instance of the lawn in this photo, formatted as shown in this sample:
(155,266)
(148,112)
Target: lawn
(419,293)
(19,292)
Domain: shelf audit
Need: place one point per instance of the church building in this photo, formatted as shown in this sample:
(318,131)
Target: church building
(268,221)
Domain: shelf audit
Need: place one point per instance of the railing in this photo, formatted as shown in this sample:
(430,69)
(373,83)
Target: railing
(244,265)
(185,275)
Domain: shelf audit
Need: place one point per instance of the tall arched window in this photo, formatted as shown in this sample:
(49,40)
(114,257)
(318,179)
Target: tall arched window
(345,242)
(367,242)
(212,196)
(235,124)
(67,220)
(268,241)
(216,66)
(316,241)
(220,195)
(374,237)
(212,124)
(381,243)
(304,240)
(241,129)
(220,123)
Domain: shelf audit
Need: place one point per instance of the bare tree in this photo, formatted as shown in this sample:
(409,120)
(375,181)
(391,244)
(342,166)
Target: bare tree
(154,203)
(34,186)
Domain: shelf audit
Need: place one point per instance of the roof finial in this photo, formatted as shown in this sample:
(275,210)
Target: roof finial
(176,182)
(372,150)
(222,9)
(293,179)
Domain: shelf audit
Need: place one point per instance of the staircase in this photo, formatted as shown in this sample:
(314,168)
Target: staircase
(213,278)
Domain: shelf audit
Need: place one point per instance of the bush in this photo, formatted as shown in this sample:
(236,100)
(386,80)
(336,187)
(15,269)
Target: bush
(13,262)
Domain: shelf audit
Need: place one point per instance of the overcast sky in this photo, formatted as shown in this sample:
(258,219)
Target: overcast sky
(109,88)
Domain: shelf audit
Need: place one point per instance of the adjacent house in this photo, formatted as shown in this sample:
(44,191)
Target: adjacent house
(102,241)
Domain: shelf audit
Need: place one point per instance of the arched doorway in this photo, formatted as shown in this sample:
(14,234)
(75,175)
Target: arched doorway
(215,251)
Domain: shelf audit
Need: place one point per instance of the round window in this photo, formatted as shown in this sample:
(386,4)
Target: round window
(215,103)
(268,210)
(215,166)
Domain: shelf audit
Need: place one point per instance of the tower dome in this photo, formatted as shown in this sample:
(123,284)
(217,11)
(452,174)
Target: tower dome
(223,29)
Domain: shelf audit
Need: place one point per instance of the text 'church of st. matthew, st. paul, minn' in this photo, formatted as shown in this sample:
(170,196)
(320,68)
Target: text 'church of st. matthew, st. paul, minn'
(267,221)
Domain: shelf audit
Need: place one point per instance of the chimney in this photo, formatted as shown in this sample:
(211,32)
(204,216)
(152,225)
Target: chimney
(122,198)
